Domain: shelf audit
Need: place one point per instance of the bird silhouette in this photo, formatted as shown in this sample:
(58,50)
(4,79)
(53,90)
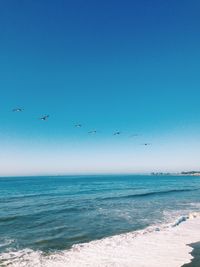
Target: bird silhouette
(78,125)
(146,144)
(117,133)
(92,132)
(44,118)
(17,110)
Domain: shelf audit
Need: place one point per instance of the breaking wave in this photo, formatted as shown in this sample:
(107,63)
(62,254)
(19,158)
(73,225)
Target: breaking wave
(152,193)
(149,248)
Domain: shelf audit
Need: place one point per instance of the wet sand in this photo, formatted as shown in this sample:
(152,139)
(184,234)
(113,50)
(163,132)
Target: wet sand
(196,254)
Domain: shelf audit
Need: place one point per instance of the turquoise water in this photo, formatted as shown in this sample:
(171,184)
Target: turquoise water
(53,213)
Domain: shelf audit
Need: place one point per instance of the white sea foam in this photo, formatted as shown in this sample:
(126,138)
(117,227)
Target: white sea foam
(161,246)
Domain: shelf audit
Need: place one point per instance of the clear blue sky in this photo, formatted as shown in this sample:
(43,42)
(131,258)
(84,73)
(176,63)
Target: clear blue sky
(131,66)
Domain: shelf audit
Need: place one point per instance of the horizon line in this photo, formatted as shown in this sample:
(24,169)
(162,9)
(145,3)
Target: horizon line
(98,174)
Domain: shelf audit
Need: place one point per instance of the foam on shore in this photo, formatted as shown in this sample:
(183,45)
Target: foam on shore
(160,246)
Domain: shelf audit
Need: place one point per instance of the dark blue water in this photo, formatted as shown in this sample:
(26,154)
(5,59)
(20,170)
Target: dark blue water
(53,213)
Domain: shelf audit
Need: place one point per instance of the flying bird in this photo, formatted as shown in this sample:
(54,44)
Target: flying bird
(117,133)
(17,110)
(44,118)
(146,144)
(78,125)
(92,132)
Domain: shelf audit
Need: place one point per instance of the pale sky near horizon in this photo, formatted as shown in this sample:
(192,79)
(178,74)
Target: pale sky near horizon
(130,66)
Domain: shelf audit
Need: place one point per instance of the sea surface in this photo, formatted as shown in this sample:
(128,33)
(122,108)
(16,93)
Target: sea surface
(52,214)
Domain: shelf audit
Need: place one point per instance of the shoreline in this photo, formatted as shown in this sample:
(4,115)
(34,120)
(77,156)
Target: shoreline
(156,246)
(195,254)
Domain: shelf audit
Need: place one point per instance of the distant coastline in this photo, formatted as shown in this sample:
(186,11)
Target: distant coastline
(188,173)
(191,173)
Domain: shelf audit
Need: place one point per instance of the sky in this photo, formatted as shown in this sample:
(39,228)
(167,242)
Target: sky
(129,66)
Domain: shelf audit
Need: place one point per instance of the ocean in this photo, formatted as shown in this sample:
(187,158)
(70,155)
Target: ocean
(42,218)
